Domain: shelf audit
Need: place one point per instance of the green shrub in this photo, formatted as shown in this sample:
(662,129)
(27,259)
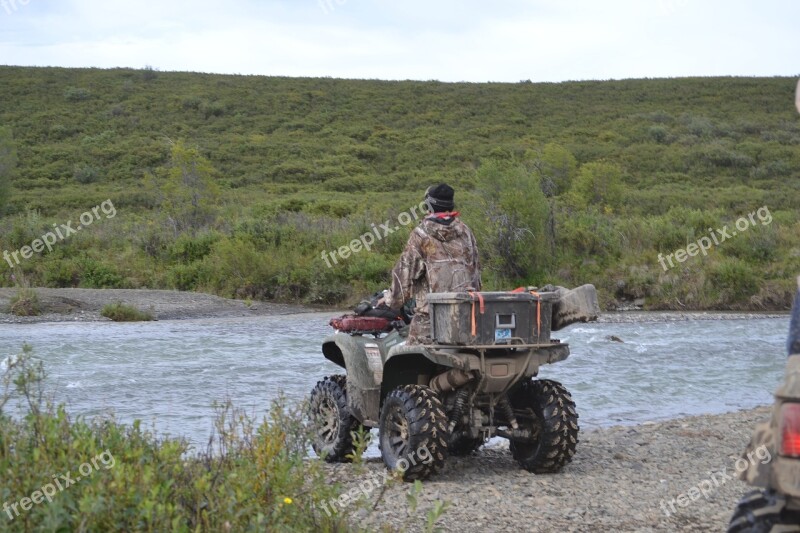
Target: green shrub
(62,273)
(512,222)
(588,234)
(97,275)
(86,174)
(557,168)
(25,303)
(188,248)
(185,277)
(253,476)
(120,312)
(735,280)
(599,184)
(8,163)
(76,94)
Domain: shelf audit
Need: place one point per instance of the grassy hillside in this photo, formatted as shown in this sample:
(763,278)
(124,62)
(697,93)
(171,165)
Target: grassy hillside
(238,184)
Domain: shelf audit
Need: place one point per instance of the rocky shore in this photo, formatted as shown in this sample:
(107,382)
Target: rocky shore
(630,478)
(84,305)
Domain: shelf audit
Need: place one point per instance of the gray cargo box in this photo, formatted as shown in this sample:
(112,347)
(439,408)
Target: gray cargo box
(507,318)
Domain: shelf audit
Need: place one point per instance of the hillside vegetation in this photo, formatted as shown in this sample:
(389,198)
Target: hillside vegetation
(243,186)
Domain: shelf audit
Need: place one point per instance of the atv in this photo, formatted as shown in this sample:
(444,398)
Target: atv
(476,379)
(775,505)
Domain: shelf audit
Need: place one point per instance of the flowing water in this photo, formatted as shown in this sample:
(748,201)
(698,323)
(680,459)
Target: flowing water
(168,374)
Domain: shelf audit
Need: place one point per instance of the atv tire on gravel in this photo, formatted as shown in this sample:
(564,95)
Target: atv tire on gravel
(332,420)
(761,510)
(551,404)
(413,432)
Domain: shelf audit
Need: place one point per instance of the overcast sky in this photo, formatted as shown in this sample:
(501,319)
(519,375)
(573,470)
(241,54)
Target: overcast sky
(448,40)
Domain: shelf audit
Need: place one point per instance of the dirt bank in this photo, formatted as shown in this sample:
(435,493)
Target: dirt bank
(59,305)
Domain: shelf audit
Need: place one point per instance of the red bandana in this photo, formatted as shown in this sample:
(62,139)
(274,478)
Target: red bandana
(444,216)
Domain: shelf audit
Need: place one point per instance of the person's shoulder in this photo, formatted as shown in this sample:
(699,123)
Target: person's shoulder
(419,232)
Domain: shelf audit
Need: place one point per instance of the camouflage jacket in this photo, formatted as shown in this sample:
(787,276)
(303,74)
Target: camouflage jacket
(440,256)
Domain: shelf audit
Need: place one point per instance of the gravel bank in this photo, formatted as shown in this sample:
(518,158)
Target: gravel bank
(84,305)
(617,317)
(617,482)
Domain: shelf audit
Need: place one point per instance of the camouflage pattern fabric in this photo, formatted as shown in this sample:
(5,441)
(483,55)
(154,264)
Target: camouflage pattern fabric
(441,256)
(758,474)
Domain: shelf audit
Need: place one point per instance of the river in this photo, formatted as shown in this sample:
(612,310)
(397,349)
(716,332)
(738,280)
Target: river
(168,374)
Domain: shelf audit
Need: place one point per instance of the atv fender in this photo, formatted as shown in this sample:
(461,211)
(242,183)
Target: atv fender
(361,357)
(786,470)
(757,473)
(780,473)
(416,365)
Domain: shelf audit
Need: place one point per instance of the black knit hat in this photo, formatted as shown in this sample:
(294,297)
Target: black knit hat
(440,198)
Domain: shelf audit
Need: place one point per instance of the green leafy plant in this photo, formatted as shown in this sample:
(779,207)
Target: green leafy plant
(120,312)
(254,476)
(25,303)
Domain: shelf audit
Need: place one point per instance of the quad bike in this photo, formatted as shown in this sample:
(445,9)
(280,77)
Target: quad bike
(775,506)
(474,380)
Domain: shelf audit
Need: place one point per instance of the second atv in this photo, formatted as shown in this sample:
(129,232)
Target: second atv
(474,381)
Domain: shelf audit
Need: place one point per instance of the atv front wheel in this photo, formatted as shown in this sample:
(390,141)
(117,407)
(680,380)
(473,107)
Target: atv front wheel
(761,510)
(331,419)
(413,432)
(547,407)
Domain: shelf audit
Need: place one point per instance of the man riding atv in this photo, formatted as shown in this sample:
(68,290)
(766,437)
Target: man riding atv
(465,371)
(441,256)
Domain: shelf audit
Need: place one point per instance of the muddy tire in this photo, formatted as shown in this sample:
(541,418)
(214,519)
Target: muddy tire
(760,511)
(331,420)
(548,405)
(413,421)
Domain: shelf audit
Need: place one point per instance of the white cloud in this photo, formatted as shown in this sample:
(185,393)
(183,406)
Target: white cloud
(390,39)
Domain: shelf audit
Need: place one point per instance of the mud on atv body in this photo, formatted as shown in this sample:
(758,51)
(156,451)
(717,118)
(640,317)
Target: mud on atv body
(434,400)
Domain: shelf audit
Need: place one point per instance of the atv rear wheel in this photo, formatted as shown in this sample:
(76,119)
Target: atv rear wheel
(413,432)
(547,406)
(331,419)
(761,510)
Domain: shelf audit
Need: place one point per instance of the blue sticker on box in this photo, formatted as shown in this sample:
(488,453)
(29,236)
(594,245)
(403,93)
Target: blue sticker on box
(502,334)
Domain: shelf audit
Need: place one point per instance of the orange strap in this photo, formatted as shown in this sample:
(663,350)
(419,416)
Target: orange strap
(483,309)
(538,313)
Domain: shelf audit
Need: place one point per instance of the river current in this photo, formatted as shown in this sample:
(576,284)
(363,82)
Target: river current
(168,374)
